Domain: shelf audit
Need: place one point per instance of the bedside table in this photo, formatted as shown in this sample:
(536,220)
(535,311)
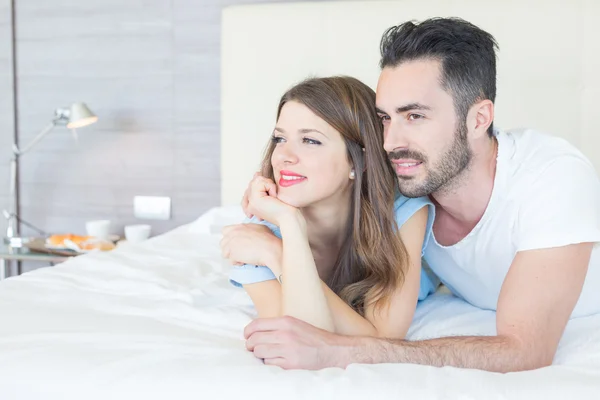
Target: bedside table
(9,254)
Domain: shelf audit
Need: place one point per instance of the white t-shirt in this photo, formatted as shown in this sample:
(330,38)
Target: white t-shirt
(546,194)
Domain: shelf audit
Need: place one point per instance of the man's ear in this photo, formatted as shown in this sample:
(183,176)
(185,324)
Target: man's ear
(480,117)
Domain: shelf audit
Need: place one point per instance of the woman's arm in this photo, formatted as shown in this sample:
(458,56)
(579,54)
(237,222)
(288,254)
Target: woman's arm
(300,293)
(266,297)
(391,322)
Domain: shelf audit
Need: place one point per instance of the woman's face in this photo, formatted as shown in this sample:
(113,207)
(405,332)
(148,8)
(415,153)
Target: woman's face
(309,160)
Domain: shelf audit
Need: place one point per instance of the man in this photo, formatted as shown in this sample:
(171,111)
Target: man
(517,213)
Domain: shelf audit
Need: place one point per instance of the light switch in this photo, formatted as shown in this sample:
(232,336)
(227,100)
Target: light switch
(152,207)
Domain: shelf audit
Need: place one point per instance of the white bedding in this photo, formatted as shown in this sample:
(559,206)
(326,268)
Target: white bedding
(160,320)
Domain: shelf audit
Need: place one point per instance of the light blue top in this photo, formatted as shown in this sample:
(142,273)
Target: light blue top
(404,208)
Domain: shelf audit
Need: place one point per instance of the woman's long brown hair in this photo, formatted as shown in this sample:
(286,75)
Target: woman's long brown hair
(373,261)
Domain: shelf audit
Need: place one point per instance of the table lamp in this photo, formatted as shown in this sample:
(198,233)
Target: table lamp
(77,116)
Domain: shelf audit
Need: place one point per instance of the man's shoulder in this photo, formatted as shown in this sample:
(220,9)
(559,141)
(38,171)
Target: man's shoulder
(530,145)
(533,154)
(545,175)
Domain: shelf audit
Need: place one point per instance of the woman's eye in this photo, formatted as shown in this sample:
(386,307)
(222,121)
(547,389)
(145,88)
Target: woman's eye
(413,117)
(276,139)
(310,141)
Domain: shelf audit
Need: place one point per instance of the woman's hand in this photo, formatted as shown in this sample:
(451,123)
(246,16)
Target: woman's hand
(253,244)
(244,202)
(263,201)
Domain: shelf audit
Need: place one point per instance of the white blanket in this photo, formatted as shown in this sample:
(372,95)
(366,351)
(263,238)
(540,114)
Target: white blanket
(160,320)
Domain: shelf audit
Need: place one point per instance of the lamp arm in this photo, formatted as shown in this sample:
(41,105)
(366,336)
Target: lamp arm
(60,116)
(35,140)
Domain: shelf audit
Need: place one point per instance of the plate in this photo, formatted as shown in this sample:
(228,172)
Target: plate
(55,247)
(71,245)
(39,245)
(103,245)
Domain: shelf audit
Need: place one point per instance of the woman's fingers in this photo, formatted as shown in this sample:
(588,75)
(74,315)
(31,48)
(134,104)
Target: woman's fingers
(272,189)
(258,190)
(246,197)
(244,204)
(225,248)
(263,187)
(229,233)
(264,202)
(232,234)
(227,229)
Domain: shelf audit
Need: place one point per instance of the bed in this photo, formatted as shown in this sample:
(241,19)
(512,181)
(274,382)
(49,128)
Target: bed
(159,319)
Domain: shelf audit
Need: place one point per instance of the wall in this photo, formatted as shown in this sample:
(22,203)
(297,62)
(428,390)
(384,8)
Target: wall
(6,105)
(150,71)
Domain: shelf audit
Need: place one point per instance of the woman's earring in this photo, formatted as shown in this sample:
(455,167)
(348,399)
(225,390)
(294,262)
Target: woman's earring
(352,174)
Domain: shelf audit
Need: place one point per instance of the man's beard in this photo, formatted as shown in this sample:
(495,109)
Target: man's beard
(444,175)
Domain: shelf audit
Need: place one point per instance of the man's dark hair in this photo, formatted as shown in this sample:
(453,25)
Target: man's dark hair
(466,52)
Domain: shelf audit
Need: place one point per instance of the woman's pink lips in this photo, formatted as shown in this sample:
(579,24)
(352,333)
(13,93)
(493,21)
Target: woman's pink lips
(289,173)
(286,183)
(290,182)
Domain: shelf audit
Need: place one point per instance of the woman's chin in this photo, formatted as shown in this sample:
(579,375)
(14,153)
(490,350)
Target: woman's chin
(293,201)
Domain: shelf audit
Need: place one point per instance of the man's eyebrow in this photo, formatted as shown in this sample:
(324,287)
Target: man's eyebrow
(412,106)
(405,108)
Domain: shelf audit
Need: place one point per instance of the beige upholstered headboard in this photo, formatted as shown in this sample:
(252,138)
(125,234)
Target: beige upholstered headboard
(548,65)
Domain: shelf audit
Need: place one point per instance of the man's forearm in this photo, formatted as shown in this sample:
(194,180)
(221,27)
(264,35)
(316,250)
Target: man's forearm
(490,353)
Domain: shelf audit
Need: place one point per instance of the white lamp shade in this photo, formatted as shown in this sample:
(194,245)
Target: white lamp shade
(80,115)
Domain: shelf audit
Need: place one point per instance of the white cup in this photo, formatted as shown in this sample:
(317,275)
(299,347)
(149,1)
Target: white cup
(99,229)
(137,233)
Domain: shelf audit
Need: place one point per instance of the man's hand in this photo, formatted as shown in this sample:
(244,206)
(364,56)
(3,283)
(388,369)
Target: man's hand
(537,298)
(251,244)
(293,344)
(247,196)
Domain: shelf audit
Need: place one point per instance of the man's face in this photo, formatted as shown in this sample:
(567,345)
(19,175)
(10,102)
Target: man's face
(423,136)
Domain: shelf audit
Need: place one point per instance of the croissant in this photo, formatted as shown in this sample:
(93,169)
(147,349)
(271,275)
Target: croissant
(59,240)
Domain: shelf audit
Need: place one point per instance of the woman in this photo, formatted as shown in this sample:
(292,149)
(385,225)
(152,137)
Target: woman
(349,258)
